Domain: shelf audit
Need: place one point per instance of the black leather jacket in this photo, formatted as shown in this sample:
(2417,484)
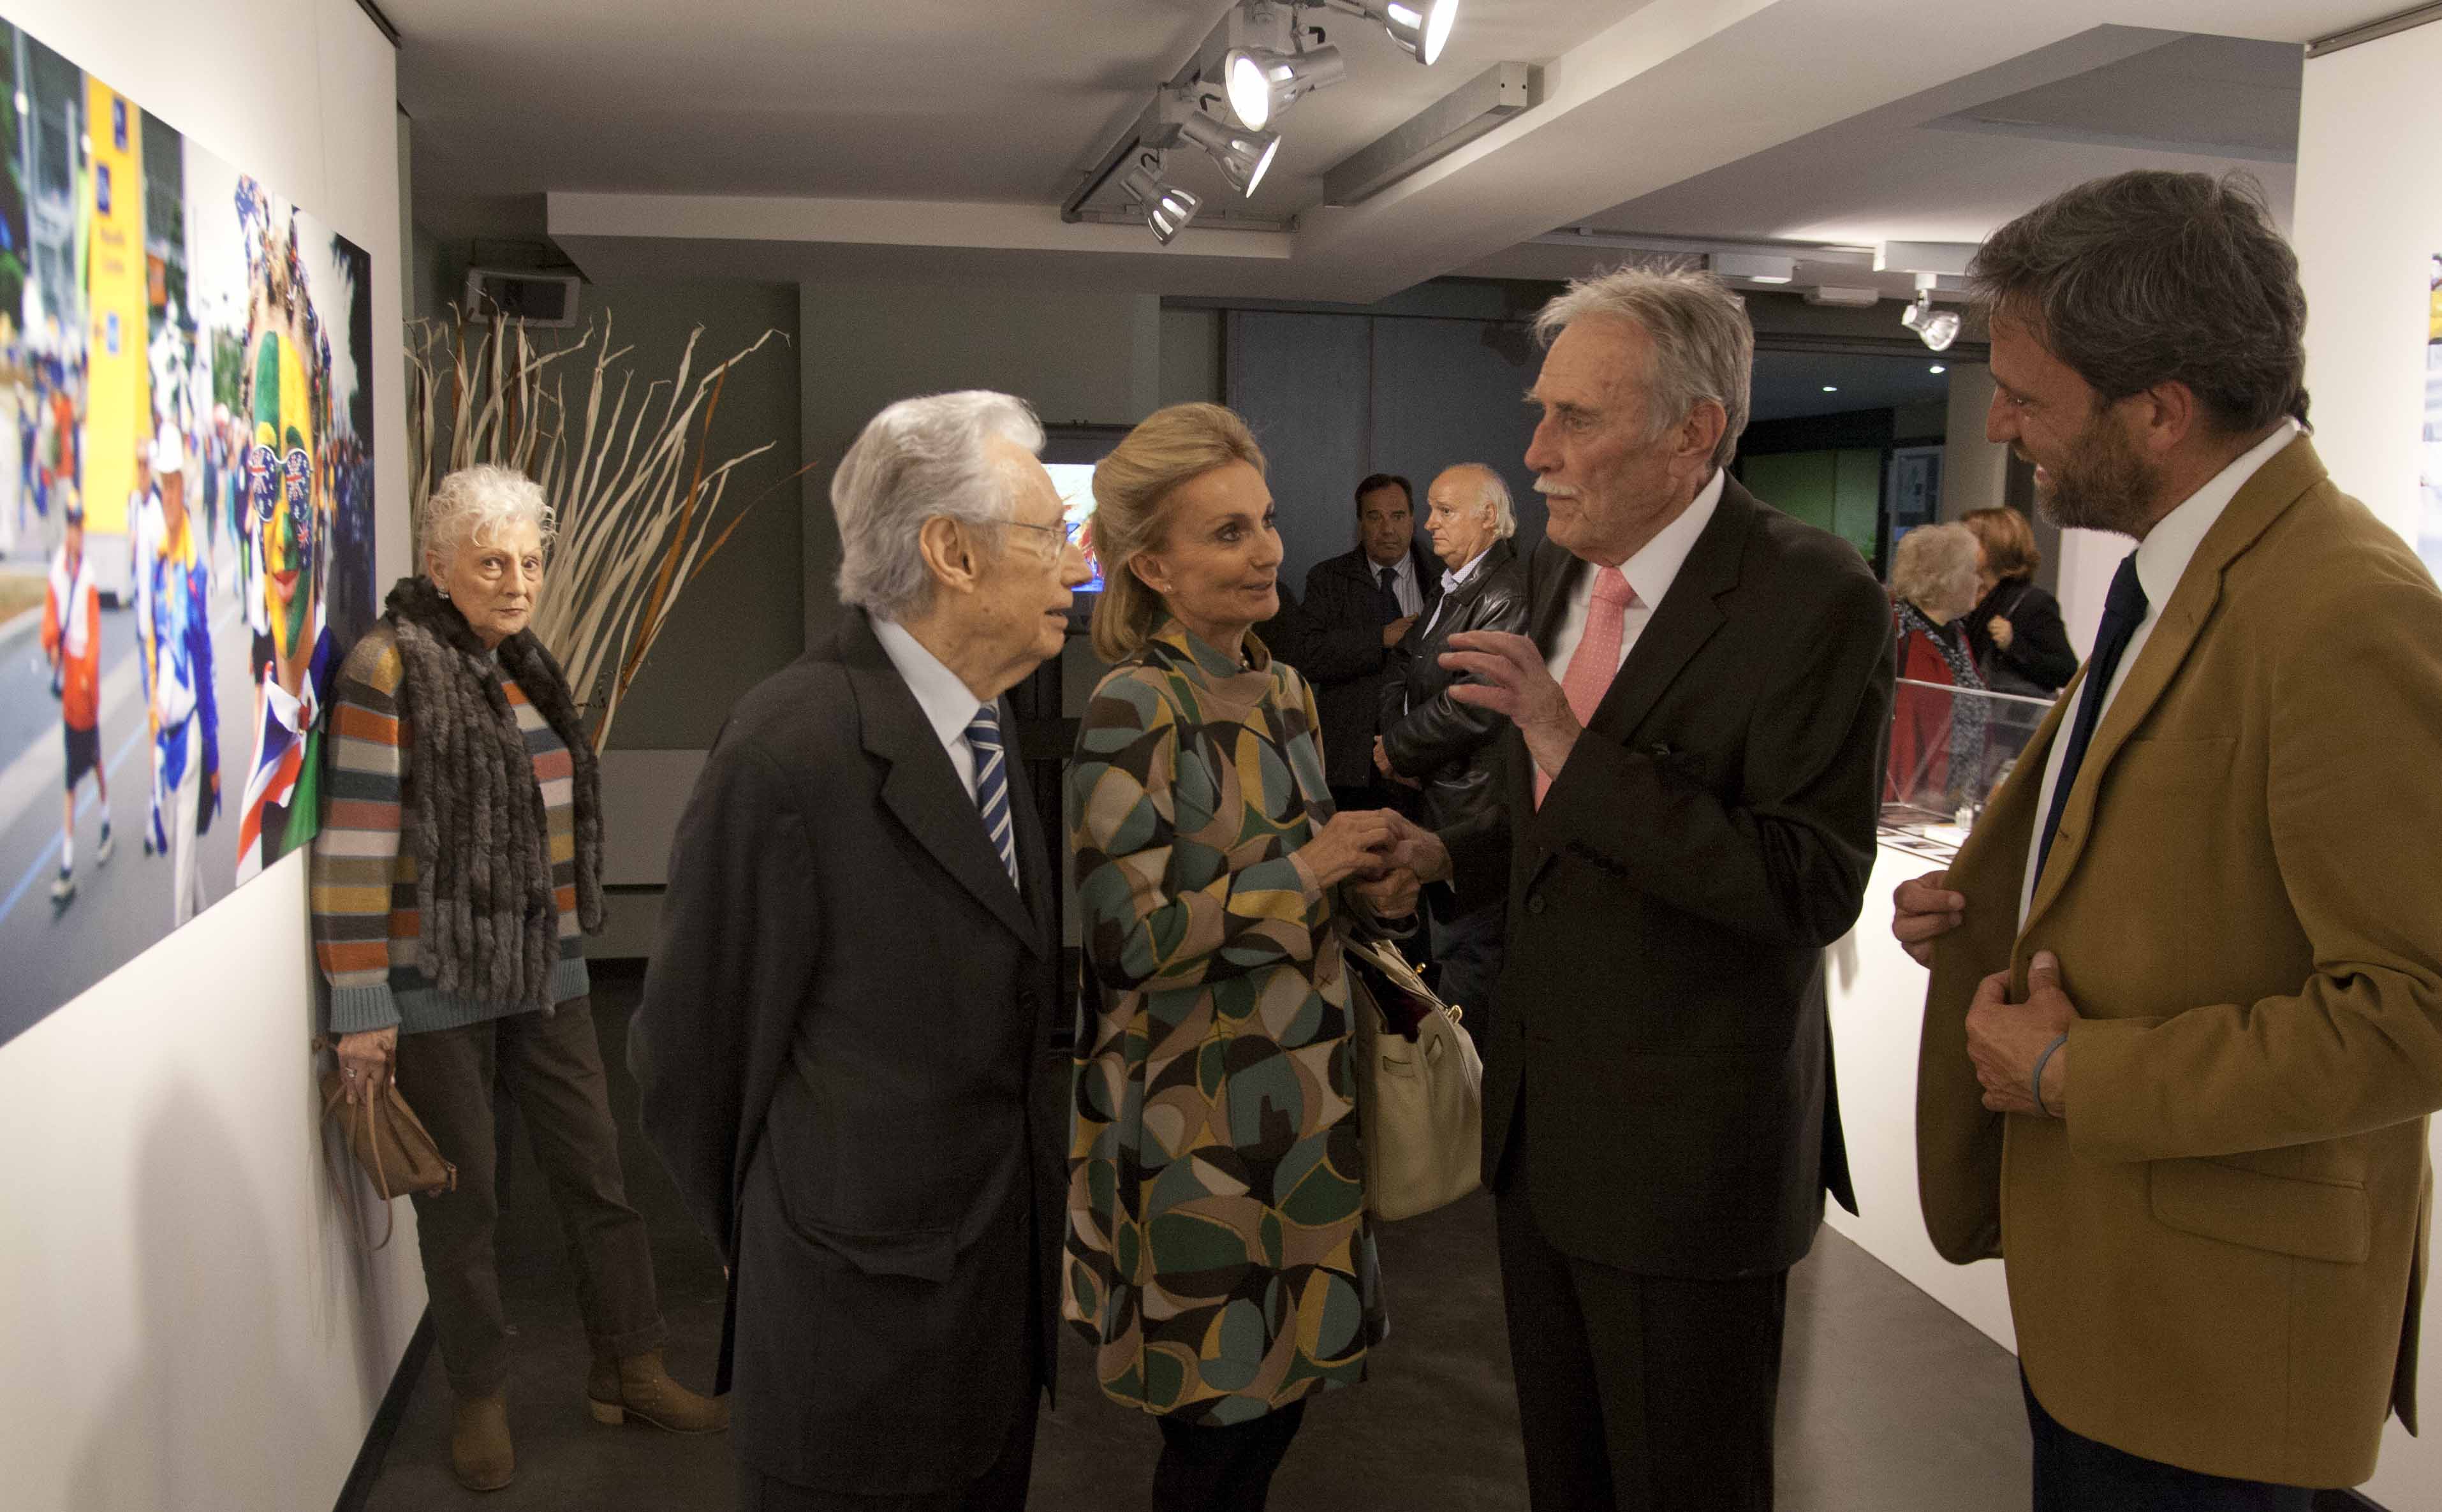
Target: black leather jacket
(1426,733)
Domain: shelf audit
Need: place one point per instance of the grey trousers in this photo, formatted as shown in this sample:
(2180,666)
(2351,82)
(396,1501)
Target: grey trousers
(552,1064)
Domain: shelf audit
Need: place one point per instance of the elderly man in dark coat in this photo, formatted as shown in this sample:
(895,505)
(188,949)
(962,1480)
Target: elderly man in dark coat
(846,1038)
(1443,748)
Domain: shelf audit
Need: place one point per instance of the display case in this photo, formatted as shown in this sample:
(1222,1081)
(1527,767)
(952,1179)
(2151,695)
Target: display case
(1950,748)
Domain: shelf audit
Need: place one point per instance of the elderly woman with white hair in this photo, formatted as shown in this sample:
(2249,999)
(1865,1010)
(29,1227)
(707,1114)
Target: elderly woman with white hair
(1937,737)
(457,869)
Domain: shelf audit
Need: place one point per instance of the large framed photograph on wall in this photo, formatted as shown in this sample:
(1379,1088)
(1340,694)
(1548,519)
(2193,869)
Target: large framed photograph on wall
(186,522)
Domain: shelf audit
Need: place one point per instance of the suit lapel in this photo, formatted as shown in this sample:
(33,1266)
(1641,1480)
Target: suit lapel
(1035,862)
(1683,622)
(921,789)
(1552,578)
(2263,499)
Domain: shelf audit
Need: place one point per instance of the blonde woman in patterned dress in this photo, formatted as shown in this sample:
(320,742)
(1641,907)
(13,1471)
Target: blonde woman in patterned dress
(1219,1255)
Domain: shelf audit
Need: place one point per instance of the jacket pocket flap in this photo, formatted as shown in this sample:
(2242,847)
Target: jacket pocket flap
(2313,1220)
(927,1255)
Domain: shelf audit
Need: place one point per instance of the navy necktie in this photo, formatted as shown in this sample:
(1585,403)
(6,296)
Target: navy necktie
(992,785)
(1390,594)
(2123,609)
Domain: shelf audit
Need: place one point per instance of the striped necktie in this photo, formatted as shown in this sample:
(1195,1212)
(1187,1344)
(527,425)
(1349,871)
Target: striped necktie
(992,784)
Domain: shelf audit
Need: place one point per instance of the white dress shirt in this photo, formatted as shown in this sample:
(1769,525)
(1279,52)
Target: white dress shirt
(2162,559)
(1403,581)
(1651,572)
(949,705)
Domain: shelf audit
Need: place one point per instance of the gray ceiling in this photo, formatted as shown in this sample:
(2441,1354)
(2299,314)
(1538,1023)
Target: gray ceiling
(1788,385)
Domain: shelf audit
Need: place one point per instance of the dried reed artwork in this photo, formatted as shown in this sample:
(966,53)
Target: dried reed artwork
(640,504)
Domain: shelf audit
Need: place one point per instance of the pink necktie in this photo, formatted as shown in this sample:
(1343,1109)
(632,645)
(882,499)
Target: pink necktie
(1596,660)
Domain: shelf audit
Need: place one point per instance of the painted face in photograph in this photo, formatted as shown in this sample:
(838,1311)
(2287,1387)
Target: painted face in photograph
(281,485)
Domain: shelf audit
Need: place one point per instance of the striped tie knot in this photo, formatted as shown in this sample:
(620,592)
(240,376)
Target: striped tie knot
(992,785)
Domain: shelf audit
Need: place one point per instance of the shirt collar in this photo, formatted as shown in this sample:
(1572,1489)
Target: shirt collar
(949,705)
(2163,555)
(1451,580)
(1652,570)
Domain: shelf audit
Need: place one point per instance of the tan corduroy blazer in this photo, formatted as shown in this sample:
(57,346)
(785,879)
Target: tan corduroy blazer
(2215,1261)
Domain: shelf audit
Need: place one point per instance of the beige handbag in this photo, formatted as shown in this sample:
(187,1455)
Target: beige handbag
(1420,1094)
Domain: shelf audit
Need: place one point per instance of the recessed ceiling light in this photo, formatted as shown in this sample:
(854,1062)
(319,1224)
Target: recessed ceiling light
(1753,266)
(1936,368)
(1830,388)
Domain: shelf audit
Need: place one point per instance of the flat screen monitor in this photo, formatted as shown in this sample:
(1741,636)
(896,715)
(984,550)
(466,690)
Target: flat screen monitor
(1069,453)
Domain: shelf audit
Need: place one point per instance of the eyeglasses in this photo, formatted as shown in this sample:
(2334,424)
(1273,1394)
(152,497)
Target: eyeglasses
(1061,540)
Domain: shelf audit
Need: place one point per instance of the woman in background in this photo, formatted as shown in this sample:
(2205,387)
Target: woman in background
(457,869)
(1937,738)
(1219,1259)
(2014,631)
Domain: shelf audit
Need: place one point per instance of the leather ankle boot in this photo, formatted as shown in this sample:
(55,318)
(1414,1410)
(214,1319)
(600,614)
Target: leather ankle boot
(637,1386)
(479,1453)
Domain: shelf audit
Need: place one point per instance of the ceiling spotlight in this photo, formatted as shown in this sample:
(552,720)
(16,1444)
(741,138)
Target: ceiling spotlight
(1936,368)
(1422,26)
(1242,155)
(1261,83)
(1830,388)
(1167,208)
(1935,328)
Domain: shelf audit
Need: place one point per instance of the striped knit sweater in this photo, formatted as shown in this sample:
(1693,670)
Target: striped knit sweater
(365,916)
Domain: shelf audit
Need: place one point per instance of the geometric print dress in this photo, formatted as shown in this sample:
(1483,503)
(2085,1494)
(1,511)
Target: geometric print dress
(1219,1256)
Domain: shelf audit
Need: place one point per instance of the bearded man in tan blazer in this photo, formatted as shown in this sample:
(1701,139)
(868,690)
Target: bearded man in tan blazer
(2185,1019)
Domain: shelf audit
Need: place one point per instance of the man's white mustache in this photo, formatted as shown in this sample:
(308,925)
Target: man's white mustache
(1552,490)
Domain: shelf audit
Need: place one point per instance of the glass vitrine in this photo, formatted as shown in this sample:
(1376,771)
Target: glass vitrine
(1950,748)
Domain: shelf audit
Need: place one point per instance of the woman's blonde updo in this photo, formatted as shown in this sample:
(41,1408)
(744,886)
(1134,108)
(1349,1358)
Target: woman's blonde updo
(1131,486)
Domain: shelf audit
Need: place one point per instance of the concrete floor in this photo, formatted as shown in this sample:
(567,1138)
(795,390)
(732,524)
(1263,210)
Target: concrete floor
(1889,1402)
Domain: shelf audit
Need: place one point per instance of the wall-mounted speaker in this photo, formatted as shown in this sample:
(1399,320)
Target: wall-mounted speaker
(538,298)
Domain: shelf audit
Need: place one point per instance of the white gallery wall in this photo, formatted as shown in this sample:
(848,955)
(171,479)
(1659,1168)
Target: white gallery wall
(2368,221)
(185,1318)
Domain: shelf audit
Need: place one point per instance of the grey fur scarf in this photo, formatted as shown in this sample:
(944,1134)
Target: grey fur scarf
(483,863)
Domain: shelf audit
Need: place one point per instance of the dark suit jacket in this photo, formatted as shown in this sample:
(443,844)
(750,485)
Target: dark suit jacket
(1661,1022)
(1289,633)
(1427,733)
(845,1048)
(1346,660)
(2039,660)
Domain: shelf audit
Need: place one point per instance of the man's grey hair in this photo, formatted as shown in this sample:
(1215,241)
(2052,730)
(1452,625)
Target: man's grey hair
(2156,277)
(1932,563)
(916,460)
(1492,489)
(1703,345)
(474,504)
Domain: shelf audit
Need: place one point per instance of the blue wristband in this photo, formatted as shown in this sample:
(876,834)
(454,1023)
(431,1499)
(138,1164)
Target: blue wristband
(2036,1082)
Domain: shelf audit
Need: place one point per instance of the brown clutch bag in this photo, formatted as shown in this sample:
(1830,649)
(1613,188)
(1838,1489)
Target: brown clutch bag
(391,1144)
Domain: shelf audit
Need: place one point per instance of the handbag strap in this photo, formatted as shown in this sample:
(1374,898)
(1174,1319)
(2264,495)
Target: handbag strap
(381,1179)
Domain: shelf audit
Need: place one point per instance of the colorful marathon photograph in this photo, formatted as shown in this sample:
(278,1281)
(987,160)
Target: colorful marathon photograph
(186,522)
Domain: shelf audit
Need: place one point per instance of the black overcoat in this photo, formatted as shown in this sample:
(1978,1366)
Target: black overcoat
(1345,659)
(847,1059)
